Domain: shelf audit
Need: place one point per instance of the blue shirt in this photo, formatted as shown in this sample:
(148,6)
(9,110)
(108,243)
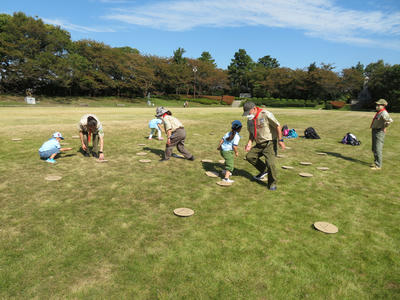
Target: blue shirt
(49,145)
(228,145)
(154,123)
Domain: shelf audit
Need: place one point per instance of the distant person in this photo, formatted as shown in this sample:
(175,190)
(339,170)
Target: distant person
(52,148)
(186,104)
(175,132)
(379,124)
(263,129)
(155,125)
(90,127)
(228,146)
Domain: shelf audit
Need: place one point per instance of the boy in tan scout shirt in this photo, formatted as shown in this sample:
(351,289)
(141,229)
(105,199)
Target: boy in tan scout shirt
(263,128)
(175,132)
(379,124)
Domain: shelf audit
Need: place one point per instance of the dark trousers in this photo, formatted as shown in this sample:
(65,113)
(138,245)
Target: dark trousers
(266,150)
(177,139)
(95,142)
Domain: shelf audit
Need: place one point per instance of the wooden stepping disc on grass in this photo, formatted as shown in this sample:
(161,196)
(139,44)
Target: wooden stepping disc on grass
(75,136)
(141,153)
(322,153)
(326,227)
(101,161)
(287,167)
(207,160)
(196,134)
(322,168)
(281,156)
(144,160)
(141,144)
(305,163)
(288,147)
(221,161)
(16,139)
(224,183)
(52,177)
(306,175)
(63,144)
(212,174)
(183,212)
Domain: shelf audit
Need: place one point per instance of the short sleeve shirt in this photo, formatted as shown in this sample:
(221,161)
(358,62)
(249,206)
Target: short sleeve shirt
(266,127)
(171,123)
(50,145)
(154,123)
(382,120)
(228,145)
(83,125)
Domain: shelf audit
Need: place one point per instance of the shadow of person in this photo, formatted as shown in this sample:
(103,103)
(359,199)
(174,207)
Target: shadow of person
(66,155)
(338,155)
(155,151)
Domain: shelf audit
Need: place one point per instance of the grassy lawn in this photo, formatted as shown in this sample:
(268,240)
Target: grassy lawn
(107,231)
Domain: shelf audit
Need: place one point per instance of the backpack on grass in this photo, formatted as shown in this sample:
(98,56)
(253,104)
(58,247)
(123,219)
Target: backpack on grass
(351,139)
(292,134)
(310,133)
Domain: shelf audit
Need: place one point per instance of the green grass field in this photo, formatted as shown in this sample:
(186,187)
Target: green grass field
(107,231)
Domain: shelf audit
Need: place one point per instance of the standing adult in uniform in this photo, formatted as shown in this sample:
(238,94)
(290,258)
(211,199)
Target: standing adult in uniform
(91,128)
(175,132)
(379,124)
(263,128)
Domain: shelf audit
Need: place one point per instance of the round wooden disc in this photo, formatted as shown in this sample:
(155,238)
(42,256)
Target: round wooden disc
(211,174)
(196,134)
(221,161)
(144,160)
(63,144)
(141,144)
(183,212)
(75,137)
(101,161)
(305,163)
(52,177)
(17,139)
(288,148)
(326,227)
(306,175)
(281,156)
(287,167)
(207,160)
(141,153)
(322,168)
(224,183)
(322,153)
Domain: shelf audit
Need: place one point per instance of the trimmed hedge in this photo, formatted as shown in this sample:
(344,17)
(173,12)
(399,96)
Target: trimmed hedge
(276,102)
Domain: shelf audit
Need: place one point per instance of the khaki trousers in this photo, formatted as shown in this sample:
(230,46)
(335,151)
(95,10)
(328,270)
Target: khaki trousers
(378,138)
(177,139)
(95,142)
(266,150)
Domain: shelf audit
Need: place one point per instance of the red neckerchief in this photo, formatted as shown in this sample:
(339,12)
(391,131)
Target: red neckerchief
(376,115)
(255,121)
(163,116)
(89,135)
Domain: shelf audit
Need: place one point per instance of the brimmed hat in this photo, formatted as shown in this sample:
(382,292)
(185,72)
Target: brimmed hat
(57,135)
(160,111)
(247,107)
(381,102)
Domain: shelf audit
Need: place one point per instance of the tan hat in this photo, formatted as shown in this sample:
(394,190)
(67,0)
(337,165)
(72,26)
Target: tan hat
(382,102)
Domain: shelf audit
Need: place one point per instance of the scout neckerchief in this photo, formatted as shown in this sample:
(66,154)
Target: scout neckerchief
(89,135)
(376,116)
(255,121)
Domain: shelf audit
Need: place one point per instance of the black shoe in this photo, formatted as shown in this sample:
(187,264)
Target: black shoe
(191,158)
(164,159)
(85,154)
(95,155)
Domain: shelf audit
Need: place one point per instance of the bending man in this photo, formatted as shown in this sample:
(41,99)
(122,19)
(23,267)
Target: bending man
(90,127)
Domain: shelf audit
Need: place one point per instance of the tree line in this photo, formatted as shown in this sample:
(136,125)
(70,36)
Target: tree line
(42,57)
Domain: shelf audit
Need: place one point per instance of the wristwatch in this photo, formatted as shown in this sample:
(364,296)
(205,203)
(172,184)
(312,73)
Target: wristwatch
(100,151)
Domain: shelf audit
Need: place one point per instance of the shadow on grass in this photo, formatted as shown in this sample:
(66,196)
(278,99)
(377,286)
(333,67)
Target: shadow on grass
(338,155)
(155,151)
(212,167)
(66,155)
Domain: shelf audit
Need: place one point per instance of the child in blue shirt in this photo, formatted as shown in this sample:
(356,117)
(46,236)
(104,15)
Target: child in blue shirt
(51,148)
(228,146)
(154,125)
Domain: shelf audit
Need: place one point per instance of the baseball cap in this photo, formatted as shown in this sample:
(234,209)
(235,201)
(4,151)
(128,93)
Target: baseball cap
(247,107)
(57,135)
(236,124)
(382,102)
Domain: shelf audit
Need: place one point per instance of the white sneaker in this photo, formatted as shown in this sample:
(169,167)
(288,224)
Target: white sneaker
(260,176)
(228,180)
(150,138)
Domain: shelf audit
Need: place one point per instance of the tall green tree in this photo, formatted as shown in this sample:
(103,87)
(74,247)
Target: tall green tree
(207,58)
(239,71)
(268,62)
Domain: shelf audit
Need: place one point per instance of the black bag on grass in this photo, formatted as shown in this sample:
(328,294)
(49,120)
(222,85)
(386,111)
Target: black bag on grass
(310,133)
(351,139)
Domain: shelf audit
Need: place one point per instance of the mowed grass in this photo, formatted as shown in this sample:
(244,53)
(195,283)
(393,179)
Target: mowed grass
(108,230)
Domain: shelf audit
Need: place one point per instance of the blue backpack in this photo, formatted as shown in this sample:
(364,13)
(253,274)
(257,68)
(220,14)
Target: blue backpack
(292,134)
